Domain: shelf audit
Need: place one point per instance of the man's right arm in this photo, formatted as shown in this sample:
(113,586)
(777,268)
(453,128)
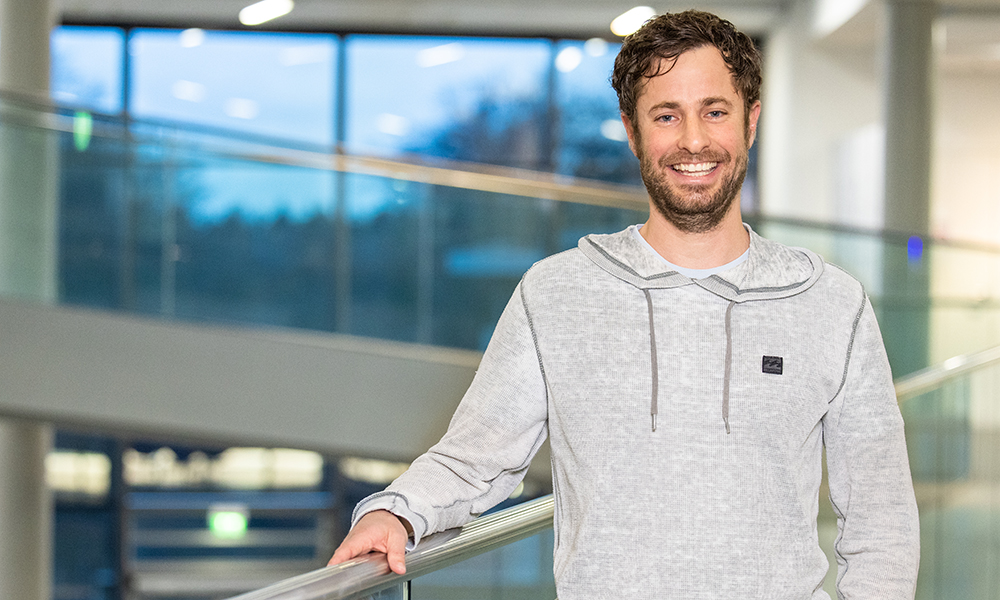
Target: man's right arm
(377,531)
(496,430)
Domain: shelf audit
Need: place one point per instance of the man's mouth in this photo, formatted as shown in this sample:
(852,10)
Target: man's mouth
(695,169)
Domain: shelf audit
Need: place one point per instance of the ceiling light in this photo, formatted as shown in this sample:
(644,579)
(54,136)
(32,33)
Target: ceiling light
(614,130)
(241,108)
(569,59)
(631,20)
(192,38)
(440,55)
(595,47)
(264,11)
(190,91)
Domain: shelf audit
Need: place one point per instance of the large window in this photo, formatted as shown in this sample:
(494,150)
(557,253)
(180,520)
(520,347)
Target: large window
(538,104)
(87,67)
(274,84)
(479,100)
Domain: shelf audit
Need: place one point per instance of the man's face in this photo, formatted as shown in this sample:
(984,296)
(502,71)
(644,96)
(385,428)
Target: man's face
(692,140)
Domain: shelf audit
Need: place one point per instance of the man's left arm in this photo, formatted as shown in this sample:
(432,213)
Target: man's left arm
(878,546)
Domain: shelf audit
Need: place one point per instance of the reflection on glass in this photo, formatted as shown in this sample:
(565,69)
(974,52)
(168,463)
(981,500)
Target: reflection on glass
(953,438)
(479,100)
(252,243)
(519,571)
(168,227)
(87,67)
(273,84)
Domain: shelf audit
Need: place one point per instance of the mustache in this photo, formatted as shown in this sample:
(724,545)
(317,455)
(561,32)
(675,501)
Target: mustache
(688,157)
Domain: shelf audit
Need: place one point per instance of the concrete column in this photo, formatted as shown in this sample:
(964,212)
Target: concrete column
(24,45)
(28,169)
(28,259)
(25,509)
(908,115)
(908,124)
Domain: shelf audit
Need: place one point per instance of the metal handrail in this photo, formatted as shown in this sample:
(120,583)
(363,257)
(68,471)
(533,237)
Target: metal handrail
(927,379)
(369,574)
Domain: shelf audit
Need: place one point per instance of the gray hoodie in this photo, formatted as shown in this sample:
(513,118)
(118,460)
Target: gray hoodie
(687,420)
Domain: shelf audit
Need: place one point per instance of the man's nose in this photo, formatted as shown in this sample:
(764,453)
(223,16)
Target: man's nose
(694,136)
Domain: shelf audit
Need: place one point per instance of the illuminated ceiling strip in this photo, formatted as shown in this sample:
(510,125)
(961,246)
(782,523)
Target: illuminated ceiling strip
(264,11)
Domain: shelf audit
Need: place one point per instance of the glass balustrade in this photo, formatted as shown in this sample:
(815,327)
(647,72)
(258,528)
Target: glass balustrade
(519,571)
(953,436)
(165,221)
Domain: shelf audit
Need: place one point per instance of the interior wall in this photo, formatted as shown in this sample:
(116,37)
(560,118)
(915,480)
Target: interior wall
(821,113)
(965,194)
(965,205)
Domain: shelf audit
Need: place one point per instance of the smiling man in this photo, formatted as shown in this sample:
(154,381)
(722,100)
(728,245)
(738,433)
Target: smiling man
(689,375)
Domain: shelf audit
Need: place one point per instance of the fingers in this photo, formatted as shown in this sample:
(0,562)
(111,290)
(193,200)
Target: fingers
(395,551)
(343,554)
(378,531)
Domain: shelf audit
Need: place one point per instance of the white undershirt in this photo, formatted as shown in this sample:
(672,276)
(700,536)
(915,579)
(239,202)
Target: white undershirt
(689,273)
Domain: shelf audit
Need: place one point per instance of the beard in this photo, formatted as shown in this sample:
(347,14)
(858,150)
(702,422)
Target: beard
(691,208)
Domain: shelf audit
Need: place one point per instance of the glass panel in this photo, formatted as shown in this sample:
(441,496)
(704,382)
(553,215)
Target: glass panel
(273,84)
(519,571)
(244,242)
(87,67)
(97,236)
(953,435)
(180,224)
(480,100)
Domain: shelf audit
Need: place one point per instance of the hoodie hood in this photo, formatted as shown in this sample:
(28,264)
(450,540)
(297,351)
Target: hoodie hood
(771,271)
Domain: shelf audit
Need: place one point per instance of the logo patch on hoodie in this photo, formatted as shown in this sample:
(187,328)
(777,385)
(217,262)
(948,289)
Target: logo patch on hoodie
(772,365)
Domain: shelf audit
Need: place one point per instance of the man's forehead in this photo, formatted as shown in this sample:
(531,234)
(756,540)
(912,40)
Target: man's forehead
(663,66)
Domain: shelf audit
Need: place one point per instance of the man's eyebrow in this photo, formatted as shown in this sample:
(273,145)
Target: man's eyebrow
(716,100)
(664,104)
(668,104)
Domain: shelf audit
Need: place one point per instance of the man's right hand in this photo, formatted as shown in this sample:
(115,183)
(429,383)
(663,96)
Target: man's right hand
(377,531)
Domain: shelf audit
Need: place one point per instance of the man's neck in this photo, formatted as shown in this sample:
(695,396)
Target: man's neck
(714,248)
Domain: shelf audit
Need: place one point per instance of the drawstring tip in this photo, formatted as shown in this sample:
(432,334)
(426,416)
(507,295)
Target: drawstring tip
(654,422)
(727,426)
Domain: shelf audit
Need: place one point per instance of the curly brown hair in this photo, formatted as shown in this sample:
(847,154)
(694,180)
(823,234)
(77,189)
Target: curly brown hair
(670,35)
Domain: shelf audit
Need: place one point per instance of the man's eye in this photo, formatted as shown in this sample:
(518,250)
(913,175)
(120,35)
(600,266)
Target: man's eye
(715,114)
(665,118)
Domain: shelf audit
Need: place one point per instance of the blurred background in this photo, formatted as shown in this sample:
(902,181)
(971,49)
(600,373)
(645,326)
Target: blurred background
(247,270)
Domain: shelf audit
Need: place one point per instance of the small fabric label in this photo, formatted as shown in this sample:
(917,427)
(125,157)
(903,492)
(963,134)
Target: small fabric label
(772,365)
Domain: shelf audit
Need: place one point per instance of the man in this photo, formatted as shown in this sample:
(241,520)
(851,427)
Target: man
(689,375)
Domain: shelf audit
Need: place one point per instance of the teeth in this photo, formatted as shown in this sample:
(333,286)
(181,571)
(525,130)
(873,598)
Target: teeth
(695,168)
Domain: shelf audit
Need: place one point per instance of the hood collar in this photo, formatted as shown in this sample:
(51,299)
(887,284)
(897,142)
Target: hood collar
(771,270)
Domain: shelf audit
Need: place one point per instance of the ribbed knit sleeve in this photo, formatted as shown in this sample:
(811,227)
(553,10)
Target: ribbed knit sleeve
(878,545)
(496,431)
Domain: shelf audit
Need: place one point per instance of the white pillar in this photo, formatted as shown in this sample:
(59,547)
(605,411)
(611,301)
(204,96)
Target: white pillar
(24,45)
(908,127)
(28,226)
(25,512)
(908,114)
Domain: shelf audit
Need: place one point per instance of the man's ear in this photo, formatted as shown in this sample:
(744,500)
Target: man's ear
(752,123)
(631,133)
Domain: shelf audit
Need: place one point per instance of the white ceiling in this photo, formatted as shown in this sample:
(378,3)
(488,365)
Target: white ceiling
(516,17)
(973,26)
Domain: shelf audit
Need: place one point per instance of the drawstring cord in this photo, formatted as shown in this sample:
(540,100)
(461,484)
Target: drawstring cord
(656,370)
(652,353)
(729,364)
